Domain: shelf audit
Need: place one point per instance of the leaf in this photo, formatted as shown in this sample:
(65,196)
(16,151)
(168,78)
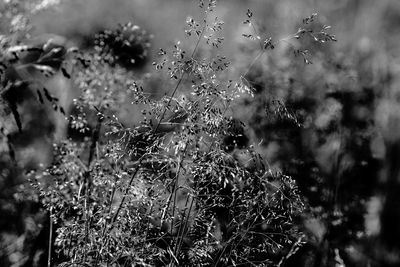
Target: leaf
(62,111)
(2,66)
(46,70)
(40,96)
(47,95)
(65,73)
(54,54)
(14,110)
(72,50)
(18,48)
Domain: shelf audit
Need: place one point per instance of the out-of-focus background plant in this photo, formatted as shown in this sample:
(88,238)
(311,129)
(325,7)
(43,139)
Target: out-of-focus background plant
(333,125)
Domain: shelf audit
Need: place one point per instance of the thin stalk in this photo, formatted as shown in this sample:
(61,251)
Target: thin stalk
(259,55)
(126,192)
(87,179)
(103,232)
(162,117)
(257,36)
(136,171)
(170,100)
(180,80)
(338,172)
(50,239)
(175,188)
(148,225)
(182,230)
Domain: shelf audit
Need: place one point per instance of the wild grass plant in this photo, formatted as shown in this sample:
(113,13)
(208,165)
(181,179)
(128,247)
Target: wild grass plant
(182,186)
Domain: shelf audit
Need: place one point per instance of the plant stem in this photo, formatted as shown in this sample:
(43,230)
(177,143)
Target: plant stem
(126,192)
(50,238)
(182,230)
(182,75)
(87,179)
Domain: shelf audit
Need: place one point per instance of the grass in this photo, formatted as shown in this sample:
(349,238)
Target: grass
(198,176)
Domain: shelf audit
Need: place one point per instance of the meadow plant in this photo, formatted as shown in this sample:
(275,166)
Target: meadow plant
(182,186)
